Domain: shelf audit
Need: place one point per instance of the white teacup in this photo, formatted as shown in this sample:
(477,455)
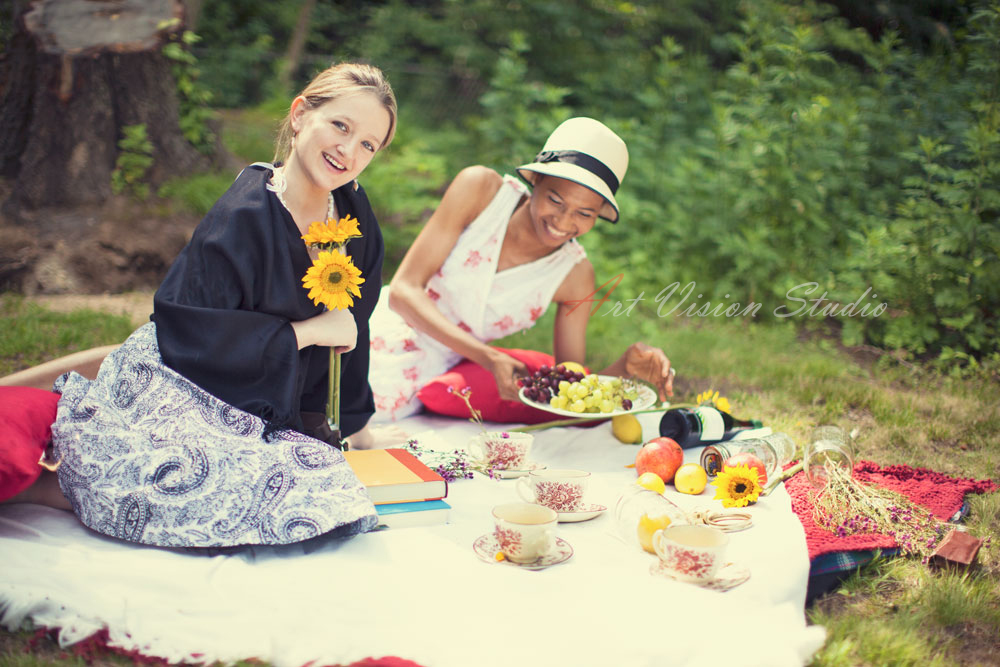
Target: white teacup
(502,449)
(691,552)
(561,490)
(524,531)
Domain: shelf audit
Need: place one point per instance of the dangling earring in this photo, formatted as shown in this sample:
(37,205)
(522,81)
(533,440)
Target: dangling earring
(355,185)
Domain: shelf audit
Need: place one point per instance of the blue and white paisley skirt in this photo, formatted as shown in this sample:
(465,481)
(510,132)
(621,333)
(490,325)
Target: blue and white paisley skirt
(149,457)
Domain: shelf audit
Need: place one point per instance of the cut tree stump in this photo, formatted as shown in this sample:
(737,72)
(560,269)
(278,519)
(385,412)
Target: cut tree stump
(75,74)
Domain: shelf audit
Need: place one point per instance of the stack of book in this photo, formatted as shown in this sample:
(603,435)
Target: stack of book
(405,491)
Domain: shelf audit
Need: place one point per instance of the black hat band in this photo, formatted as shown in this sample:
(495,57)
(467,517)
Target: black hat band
(588,162)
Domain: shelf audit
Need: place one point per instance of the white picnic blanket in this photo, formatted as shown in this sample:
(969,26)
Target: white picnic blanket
(421,593)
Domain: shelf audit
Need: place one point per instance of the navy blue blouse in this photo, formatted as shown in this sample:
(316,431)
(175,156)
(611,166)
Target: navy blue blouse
(224,309)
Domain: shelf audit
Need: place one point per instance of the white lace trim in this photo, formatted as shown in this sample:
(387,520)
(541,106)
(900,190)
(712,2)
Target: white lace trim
(278,185)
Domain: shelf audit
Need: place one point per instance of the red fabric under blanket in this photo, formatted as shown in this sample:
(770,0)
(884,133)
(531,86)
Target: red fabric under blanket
(96,646)
(939,493)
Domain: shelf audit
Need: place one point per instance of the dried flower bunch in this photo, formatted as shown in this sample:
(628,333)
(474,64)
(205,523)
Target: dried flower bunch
(847,506)
(465,393)
(452,466)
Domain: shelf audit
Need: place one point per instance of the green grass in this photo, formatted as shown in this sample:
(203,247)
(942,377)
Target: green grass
(30,334)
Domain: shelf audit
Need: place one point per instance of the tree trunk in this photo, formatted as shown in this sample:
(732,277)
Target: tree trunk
(296,45)
(77,73)
(192,12)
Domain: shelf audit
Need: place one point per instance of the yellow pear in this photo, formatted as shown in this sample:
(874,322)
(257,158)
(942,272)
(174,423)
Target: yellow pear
(627,429)
(574,367)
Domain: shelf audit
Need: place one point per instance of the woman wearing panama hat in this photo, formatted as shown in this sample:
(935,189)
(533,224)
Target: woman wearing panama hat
(490,260)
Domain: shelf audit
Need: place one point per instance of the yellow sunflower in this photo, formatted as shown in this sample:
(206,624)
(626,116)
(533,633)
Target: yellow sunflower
(712,398)
(332,279)
(737,486)
(329,233)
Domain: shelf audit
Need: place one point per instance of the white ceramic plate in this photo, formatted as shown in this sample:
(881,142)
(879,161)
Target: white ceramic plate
(486,547)
(729,576)
(586,512)
(645,399)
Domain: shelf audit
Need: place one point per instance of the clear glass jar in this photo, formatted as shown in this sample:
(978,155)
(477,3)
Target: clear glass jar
(636,501)
(774,451)
(828,446)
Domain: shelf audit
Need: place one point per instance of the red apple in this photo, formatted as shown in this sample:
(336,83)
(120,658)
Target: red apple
(748,459)
(662,456)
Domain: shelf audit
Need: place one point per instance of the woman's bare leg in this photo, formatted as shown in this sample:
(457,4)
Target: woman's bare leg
(378,437)
(45,491)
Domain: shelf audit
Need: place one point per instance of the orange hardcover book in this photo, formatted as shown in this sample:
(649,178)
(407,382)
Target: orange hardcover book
(395,476)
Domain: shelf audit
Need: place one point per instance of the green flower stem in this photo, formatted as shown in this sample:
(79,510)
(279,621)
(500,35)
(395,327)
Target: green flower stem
(336,389)
(781,478)
(333,392)
(596,417)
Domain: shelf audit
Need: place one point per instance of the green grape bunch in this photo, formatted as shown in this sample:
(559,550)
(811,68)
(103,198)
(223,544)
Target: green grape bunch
(575,392)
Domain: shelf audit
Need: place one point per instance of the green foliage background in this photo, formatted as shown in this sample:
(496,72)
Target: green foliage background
(778,148)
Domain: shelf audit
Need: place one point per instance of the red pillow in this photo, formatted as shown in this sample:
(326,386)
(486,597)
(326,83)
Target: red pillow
(26,418)
(485,397)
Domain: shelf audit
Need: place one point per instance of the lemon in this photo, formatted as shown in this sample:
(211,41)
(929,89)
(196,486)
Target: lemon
(574,367)
(690,478)
(627,429)
(648,525)
(651,481)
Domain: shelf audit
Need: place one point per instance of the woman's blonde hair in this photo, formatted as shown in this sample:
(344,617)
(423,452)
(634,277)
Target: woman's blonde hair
(335,82)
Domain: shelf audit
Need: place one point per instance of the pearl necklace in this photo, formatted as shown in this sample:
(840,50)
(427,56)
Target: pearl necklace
(278,185)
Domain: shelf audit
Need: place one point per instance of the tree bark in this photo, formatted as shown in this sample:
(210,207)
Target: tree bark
(296,45)
(77,73)
(192,12)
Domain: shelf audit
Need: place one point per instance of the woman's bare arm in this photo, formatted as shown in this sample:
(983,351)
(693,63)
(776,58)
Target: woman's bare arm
(570,335)
(466,197)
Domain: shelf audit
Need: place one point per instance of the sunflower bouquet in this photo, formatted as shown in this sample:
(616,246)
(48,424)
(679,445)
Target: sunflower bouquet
(333,281)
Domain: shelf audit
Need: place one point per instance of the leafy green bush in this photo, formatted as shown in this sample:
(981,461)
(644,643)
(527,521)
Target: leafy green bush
(192,96)
(936,260)
(135,157)
(404,185)
(198,192)
(778,153)
(789,189)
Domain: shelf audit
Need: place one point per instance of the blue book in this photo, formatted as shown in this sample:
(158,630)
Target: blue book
(420,513)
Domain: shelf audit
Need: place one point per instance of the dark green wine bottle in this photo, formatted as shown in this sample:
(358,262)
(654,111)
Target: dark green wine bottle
(704,425)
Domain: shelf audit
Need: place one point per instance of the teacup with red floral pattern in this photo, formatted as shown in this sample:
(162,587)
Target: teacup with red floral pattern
(503,450)
(524,531)
(561,490)
(691,552)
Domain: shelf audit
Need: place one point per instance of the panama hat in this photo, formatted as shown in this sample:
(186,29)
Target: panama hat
(584,151)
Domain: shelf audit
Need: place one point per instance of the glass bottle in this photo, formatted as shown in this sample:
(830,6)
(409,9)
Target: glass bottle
(828,446)
(774,451)
(703,425)
(636,501)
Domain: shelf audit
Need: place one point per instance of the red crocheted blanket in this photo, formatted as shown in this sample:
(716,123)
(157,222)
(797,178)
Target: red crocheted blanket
(939,493)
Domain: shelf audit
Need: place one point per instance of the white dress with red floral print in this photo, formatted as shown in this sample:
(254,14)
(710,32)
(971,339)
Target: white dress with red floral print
(470,292)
